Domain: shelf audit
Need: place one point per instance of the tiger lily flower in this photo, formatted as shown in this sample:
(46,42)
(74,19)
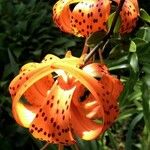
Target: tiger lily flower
(59,99)
(84,17)
(81,17)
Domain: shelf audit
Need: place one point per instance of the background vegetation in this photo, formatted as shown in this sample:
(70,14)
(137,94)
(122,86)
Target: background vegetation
(27,33)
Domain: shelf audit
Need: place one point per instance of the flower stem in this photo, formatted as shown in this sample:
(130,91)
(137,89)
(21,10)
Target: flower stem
(93,51)
(114,20)
(44,147)
(85,48)
(60,147)
(110,32)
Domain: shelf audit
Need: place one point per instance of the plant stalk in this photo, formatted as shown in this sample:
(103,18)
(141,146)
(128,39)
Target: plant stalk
(110,32)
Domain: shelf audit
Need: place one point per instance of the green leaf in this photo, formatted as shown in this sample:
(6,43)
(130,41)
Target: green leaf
(5,144)
(116,62)
(122,66)
(14,66)
(133,77)
(144,15)
(146,100)
(143,52)
(146,68)
(112,140)
(126,113)
(144,34)
(95,38)
(132,47)
(21,26)
(90,145)
(134,62)
(117,25)
(20,8)
(138,41)
(128,143)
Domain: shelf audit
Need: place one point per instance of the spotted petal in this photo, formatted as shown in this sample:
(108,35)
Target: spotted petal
(129,15)
(90,16)
(108,93)
(52,122)
(81,17)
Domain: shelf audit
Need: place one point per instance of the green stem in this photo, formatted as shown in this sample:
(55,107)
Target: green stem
(45,146)
(110,32)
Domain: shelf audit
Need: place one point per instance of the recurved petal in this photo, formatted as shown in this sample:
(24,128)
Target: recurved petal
(92,130)
(105,107)
(82,126)
(129,15)
(81,17)
(20,84)
(52,122)
(96,69)
(111,90)
(37,92)
(90,16)
(61,15)
(135,3)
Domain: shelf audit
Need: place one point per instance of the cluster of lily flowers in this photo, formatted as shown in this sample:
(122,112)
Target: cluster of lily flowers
(61,99)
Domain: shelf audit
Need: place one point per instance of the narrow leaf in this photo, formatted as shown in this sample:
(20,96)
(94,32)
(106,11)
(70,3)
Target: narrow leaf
(144,15)
(118,23)
(128,143)
(132,47)
(14,66)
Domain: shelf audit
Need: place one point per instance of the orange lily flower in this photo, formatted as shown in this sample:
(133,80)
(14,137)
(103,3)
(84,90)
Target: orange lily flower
(83,17)
(63,100)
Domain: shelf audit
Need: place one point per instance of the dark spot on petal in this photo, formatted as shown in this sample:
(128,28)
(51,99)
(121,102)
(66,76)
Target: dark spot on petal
(52,119)
(53,134)
(45,118)
(48,102)
(43,114)
(59,133)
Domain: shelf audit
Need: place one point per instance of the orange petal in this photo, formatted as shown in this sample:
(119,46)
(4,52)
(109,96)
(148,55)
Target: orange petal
(19,86)
(92,108)
(110,93)
(129,15)
(33,94)
(52,122)
(96,69)
(61,15)
(92,129)
(84,18)
(84,127)
(37,92)
(111,89)
(90,16)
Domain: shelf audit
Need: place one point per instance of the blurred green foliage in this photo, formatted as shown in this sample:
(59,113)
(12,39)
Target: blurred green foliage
(27,33)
